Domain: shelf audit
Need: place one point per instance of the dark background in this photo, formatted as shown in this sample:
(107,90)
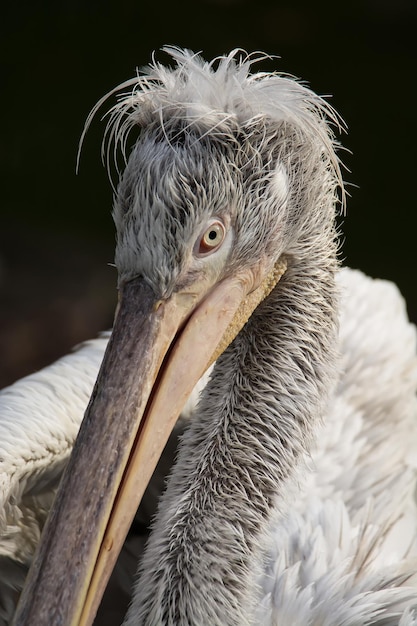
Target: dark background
(58,58)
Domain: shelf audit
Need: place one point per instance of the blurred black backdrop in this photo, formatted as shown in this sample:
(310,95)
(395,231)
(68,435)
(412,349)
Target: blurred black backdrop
(58,58)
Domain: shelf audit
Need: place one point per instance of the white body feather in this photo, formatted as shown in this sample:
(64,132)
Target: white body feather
(353,525)
(345,552)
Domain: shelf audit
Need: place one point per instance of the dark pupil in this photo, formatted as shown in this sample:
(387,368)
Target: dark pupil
(212,235)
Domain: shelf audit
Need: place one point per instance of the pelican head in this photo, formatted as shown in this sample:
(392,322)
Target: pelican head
(233,179)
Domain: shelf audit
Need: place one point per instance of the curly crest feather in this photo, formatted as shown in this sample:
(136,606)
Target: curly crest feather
(215,98)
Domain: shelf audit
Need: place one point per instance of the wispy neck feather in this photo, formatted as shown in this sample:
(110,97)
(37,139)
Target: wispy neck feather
(255,423)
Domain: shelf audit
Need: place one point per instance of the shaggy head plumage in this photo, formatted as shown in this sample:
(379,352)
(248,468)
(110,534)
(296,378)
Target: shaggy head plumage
(215,140)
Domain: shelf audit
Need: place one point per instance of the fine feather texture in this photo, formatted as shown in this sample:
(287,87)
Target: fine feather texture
(40,417)
(358,484)
(287,436)
(39,420)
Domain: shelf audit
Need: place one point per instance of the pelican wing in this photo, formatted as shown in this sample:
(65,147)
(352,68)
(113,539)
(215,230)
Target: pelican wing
(39,419)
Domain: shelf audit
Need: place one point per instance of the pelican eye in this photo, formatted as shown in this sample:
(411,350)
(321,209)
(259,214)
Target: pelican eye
(212,237)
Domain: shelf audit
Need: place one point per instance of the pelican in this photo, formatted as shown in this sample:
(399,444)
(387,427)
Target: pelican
(291,499)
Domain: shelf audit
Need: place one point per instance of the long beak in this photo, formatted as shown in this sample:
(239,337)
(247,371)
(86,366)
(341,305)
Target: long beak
(157,352)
